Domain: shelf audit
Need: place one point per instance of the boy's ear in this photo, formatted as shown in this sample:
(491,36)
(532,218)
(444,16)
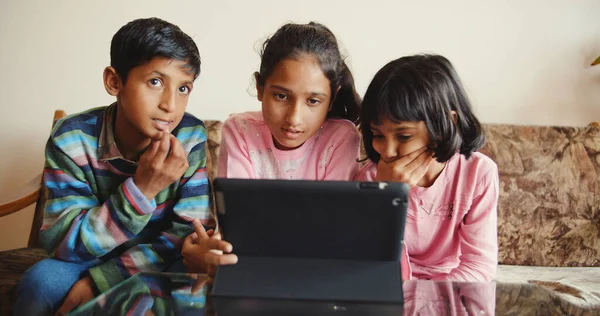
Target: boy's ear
(112,81)
(453,116)
(334,96)
(259,89)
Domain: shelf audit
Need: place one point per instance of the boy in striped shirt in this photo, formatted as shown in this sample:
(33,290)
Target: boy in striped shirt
(124,182)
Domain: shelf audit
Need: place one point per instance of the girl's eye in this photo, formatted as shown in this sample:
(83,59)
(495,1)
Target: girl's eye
(314,101)
(377,136)
(404,137)
(155,82)
(184,90)
(280,96)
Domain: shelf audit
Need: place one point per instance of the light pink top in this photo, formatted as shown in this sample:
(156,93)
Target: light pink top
(451,226)
(247,151)
(448,298)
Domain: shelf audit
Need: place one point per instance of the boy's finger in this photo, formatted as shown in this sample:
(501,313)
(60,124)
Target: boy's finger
(152,149)
(220,260)
(211,270)
(176,148)
(199,284)
(217,244)
(199,229)
(189,239)
(164,145)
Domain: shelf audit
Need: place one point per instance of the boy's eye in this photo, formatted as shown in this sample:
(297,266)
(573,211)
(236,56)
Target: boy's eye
(184,90)
(377,136)
(404,137)
(155,82)
(280,96)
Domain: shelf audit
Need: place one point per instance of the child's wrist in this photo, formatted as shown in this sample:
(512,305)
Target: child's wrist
(147,192)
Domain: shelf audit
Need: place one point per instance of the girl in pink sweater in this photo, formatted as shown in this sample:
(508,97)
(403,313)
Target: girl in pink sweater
(418,127)
(306,129)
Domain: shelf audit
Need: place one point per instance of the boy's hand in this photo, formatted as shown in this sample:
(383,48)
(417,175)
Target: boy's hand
(158,168)
(409,169)
(202,251)
(200,282)
(80,293)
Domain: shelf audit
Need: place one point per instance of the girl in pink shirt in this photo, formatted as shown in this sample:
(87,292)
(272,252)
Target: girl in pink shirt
(306,129)
(418,127)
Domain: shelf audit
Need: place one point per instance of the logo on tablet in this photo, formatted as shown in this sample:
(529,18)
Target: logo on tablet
(396,201)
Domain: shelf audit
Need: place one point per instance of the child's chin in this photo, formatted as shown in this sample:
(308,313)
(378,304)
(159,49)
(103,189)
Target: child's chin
(155,136)
(290,145)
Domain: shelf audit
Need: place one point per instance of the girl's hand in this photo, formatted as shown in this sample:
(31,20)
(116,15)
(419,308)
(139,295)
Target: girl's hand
(409,169)
(202,251)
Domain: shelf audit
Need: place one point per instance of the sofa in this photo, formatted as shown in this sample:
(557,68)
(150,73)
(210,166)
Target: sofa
(549,207)
(548,214)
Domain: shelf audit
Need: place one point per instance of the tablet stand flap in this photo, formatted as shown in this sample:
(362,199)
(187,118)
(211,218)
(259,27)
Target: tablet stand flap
(310,279)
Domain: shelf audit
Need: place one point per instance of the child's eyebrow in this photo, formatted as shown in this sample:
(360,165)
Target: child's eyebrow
(286,90)
(158,73)
(403,128)
(397,129)
(280,88)
(319,94)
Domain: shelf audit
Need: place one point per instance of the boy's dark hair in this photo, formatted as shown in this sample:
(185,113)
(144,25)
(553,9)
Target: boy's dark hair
(422,88)
(138,41)
(316,40)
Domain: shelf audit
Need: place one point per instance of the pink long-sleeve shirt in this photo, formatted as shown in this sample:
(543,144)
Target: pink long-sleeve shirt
(248,151)
(451,226)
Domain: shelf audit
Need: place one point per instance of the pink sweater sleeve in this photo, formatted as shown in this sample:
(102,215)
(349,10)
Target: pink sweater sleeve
(478,235)
(234,161)
(343,164)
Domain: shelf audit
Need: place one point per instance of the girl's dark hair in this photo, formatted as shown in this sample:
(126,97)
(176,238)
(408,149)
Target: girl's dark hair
(141,40)
(315,40)
(422,88)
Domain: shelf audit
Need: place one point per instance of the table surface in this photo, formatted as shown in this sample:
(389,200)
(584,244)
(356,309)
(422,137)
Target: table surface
(188,294)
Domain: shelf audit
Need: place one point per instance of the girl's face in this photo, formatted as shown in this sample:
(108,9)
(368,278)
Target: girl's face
(295,101)
(393,140)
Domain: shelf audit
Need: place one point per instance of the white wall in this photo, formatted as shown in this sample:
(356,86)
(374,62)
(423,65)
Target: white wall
(523,62)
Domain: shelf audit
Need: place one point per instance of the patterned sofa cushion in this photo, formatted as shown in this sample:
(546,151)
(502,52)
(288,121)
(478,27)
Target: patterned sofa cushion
(549,212)
(213,143)
(549,209)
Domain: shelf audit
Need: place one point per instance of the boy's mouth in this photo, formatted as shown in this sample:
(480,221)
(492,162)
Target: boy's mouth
(161,124)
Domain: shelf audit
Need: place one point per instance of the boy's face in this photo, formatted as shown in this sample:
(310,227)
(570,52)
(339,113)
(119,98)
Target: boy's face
(153,99)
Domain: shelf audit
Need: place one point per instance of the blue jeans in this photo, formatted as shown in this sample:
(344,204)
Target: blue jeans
(43,288)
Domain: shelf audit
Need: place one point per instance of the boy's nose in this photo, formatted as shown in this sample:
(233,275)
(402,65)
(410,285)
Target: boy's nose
(167,103)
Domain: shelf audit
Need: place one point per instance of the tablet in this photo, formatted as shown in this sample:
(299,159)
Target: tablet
(312,240)
(312,219)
